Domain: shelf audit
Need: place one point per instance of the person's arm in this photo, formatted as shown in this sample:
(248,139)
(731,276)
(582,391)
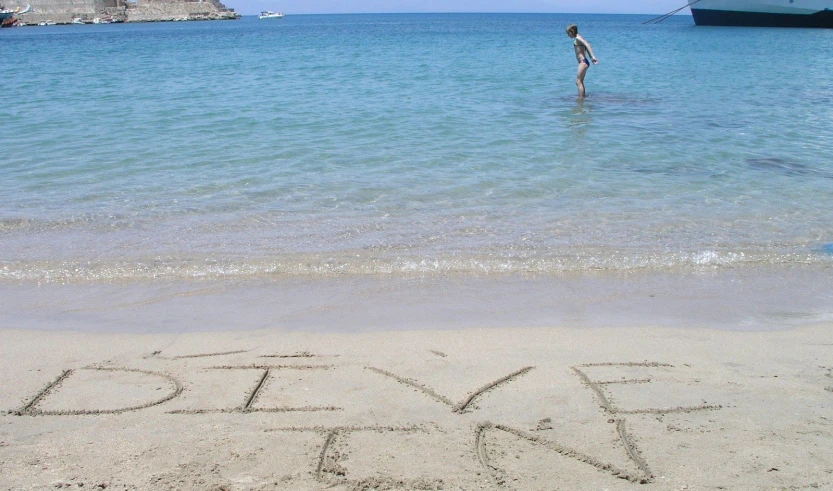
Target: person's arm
(588,48)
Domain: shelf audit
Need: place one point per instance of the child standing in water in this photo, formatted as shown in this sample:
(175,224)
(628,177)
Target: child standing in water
(582,49)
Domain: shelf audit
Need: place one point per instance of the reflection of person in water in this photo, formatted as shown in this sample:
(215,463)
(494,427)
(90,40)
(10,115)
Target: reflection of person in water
(582,49)
(578,122)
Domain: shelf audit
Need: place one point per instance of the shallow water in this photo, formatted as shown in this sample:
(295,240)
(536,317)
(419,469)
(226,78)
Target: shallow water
(401,145)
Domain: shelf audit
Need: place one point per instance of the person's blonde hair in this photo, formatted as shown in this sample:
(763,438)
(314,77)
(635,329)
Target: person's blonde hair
(572,29)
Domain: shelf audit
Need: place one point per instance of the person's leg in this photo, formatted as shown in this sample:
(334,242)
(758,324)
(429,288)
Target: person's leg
(582,71)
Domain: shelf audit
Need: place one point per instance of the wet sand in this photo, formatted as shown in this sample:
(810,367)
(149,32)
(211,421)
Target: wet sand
(725,299)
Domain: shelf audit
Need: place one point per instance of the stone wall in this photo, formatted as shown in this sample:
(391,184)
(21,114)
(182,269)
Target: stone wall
(61,11)
(64,11)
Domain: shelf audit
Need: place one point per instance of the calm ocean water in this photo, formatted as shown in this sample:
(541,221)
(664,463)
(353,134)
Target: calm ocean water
(411,144)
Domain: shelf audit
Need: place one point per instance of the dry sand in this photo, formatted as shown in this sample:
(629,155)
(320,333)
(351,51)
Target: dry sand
(560,408)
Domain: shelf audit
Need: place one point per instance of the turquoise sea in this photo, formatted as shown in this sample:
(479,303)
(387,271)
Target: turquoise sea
(402,145)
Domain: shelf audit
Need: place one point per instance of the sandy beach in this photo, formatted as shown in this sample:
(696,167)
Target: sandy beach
(653,407)
(392,250)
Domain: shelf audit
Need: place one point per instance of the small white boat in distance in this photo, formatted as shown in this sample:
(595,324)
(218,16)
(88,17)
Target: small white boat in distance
(268,14)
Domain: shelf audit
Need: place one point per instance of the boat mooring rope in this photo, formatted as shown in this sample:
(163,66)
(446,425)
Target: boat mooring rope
(657,20)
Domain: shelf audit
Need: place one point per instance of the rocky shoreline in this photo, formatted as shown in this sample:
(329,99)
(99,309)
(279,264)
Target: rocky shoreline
(52,12)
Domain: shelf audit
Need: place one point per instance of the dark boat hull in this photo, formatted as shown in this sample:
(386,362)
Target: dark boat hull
(708,17)
(6,18)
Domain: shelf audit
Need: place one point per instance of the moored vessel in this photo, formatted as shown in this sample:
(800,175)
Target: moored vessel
(7,18)
(763,13)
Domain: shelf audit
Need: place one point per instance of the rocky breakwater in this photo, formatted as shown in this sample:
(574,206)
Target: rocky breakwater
(105,11)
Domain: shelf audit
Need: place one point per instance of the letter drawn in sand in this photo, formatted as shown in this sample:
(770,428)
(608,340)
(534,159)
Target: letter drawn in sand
(266,374)
(498,476)
(600,388)
(340,463)
(463,405)
(93,392)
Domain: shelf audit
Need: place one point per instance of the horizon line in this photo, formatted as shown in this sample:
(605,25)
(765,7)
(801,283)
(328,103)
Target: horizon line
(473,12)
